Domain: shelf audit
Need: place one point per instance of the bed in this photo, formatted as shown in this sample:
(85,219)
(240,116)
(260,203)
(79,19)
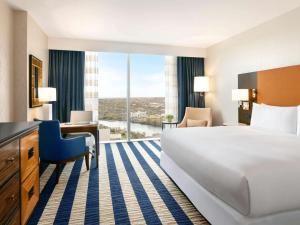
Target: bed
(236,175)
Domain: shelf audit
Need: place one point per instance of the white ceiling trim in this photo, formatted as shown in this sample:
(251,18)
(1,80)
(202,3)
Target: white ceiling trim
(122,47)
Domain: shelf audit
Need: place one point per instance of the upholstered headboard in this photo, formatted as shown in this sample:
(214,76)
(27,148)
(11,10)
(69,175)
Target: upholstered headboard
(280,87)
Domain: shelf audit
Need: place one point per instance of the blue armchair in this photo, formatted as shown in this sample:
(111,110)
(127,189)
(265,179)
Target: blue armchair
(57,150)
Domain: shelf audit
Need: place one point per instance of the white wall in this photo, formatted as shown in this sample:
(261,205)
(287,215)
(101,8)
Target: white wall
(110,46)
(270,45)
(28,39)
(6,63)
(20,66)
(37,45)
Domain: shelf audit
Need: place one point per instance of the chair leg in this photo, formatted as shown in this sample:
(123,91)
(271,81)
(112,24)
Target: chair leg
(87,160)
(57,171)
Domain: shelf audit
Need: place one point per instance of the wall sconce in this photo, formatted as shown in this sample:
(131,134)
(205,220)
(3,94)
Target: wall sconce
(254,93)
(242,96)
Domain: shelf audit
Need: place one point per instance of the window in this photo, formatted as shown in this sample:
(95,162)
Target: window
(147,95)
(112,111)
(130,93)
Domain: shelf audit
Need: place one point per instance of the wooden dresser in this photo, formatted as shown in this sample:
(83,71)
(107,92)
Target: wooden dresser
(19,171)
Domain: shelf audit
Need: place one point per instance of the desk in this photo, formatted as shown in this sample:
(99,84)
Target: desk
(91,128)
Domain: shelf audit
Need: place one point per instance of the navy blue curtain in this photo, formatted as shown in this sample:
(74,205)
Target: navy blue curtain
(187,69)
(66,74)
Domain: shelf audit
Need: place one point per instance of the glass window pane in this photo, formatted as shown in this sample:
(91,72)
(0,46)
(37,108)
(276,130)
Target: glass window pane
(147,95)
(113,96)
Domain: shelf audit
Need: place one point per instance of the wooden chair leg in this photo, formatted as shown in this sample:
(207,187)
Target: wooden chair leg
(57,171)
(87,160)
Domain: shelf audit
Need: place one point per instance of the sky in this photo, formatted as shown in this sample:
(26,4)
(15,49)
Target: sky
(147,75)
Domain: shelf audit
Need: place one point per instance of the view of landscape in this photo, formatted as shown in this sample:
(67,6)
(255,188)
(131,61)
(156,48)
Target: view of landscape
(145,93)
(145,116)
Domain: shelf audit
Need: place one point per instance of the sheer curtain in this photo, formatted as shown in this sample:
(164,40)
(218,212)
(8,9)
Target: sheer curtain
(171,96)
(91,82)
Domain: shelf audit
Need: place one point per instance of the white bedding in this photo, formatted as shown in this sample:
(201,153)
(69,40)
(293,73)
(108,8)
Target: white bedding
(255,172)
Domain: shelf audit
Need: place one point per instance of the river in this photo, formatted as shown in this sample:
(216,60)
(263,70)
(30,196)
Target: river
(135,127)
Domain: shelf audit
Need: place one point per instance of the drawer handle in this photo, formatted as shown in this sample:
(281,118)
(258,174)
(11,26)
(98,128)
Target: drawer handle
(12,197)
(30,153)
(30,193)
(10,159)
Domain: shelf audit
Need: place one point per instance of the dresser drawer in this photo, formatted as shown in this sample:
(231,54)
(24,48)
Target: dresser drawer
(9,161)
(9,197)
(29,154)
(30,193)
(15,218)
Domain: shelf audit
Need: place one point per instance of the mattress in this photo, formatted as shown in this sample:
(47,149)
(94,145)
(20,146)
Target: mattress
(255,172)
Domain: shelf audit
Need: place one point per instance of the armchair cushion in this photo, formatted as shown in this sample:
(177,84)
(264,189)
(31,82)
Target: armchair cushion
(196,123)
(196,114)
(72,147)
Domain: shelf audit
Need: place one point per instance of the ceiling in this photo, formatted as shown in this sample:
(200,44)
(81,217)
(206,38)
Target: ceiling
(191,23)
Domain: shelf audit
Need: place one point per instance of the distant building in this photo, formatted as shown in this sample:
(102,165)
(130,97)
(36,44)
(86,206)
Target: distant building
(155,116)
(138,114)
(155,104)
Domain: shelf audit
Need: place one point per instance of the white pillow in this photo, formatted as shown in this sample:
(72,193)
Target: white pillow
(256,115)
(275,118)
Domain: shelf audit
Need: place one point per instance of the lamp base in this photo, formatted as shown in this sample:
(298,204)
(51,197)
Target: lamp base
(202,99)
(47,111)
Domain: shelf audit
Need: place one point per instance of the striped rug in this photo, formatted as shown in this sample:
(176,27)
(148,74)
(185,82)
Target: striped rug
(128,188)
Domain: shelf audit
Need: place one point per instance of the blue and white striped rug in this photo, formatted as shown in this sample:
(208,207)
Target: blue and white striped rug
(128,188)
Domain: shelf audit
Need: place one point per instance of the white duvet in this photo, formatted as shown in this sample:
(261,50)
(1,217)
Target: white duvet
(255,172)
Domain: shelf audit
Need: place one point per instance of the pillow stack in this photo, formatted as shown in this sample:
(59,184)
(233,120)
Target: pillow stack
(276,118)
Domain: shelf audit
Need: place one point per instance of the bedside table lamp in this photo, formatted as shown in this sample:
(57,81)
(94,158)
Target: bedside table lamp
(242,96)
(47,94)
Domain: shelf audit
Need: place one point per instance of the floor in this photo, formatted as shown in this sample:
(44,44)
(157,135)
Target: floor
(128,188)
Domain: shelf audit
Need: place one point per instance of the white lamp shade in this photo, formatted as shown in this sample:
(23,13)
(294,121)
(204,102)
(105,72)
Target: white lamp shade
(201,84)
(47,94)
(240,95)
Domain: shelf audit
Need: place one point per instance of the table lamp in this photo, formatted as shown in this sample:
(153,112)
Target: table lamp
(242,96)
(47,94)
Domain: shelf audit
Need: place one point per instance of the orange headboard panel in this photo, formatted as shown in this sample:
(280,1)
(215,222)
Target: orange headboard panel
(280,87)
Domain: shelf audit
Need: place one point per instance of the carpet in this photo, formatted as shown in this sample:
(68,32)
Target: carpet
(129,187)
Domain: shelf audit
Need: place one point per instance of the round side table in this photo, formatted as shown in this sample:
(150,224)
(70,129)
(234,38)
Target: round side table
(170,124)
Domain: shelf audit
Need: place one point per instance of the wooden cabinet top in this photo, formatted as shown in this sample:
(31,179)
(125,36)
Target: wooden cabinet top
(15,129)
